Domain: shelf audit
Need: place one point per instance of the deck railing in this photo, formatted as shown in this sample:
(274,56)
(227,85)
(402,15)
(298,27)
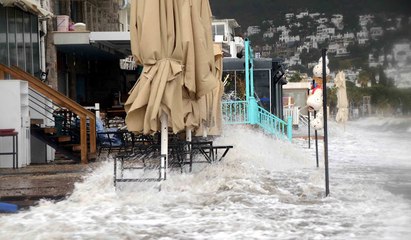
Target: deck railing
(293,112)
(87,138)
(235,112)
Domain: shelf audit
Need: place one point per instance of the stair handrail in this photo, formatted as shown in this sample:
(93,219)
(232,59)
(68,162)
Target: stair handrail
(62,100)
(276,126)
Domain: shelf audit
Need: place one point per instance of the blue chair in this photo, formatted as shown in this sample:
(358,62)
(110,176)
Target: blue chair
(110,139)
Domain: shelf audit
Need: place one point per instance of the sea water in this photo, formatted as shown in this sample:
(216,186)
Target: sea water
(263,189)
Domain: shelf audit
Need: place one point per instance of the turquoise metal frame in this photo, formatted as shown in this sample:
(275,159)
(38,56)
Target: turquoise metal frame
(249,112)
(235,112)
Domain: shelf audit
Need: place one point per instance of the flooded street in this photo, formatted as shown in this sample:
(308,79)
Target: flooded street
(264,189)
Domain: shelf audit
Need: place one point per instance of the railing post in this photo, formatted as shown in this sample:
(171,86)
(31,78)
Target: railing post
(83,139)
(93,136)
(249,83)
(247,69)
(290,128)
(253,111)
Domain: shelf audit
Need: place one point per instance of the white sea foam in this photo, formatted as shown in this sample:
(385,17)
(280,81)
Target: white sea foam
(263,189)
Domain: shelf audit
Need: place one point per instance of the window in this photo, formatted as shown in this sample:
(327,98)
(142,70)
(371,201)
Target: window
(262,87)
(19,43)
(3,37)
(235,86)
(218,29)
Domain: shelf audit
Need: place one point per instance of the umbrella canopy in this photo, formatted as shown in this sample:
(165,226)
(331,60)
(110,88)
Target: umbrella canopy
(342,100)
(210,104)
(172,40)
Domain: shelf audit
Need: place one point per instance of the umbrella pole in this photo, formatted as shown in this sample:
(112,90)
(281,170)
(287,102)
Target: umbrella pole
(188,140)
(164,146)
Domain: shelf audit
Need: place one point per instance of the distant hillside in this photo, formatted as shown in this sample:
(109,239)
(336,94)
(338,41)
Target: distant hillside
(252,12)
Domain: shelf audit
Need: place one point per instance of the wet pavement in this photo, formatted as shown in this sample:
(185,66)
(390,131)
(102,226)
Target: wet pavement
(26,186)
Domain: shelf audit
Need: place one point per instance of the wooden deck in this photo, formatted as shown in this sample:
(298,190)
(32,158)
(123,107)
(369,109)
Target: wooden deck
(26,186)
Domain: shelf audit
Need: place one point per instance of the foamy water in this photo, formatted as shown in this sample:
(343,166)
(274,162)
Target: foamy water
(264,189)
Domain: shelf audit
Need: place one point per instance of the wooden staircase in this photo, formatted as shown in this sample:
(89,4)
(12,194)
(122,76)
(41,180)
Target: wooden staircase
(63,144)
(75,137)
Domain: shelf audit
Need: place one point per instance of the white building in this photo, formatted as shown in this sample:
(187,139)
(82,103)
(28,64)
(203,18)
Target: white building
(352,75)
(362,37)
(294,60)
(224,33)
(251,30)
(364,20)
(329,31)
(282,28)
(402,53)
(314,15)
(349,36)
(302,14)
(288,16)
(269,33)
(375,61)
(285,38)
(322,37)
(305,46)
(376,32)
(332,47)
(337,20)
(322,20)
(342,52)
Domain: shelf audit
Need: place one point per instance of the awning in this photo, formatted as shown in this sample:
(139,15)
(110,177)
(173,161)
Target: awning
(28,6)
(98,45)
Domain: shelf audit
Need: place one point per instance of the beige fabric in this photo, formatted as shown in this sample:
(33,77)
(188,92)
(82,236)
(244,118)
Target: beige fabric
(342,100)
(217,94)
(210,104)
(172,40)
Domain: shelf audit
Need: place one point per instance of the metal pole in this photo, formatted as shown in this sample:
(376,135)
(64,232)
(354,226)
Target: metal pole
(309,122)
(327,187)
(247,69)
(316,142)
(188,147)
(253,103)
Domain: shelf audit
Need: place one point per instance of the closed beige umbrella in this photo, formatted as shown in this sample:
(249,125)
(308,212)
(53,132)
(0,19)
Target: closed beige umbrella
(213,124)
(172,40)
(342,100)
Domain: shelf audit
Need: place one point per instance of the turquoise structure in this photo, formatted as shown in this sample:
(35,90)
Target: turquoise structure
(249,112)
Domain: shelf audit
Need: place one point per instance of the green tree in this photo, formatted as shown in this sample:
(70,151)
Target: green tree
(383,79)
(296,77)
(310,56)
(364,78)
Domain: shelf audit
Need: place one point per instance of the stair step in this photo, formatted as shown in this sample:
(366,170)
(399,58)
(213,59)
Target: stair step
(76,147)
(92,156)
(36,121)
(63,139)
(50,130)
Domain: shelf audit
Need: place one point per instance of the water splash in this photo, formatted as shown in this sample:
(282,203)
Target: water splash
(264,189)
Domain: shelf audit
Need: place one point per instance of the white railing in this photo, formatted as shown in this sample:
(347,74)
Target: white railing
(293,112)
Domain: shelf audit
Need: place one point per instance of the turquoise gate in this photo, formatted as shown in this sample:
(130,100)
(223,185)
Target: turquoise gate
(249,112)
